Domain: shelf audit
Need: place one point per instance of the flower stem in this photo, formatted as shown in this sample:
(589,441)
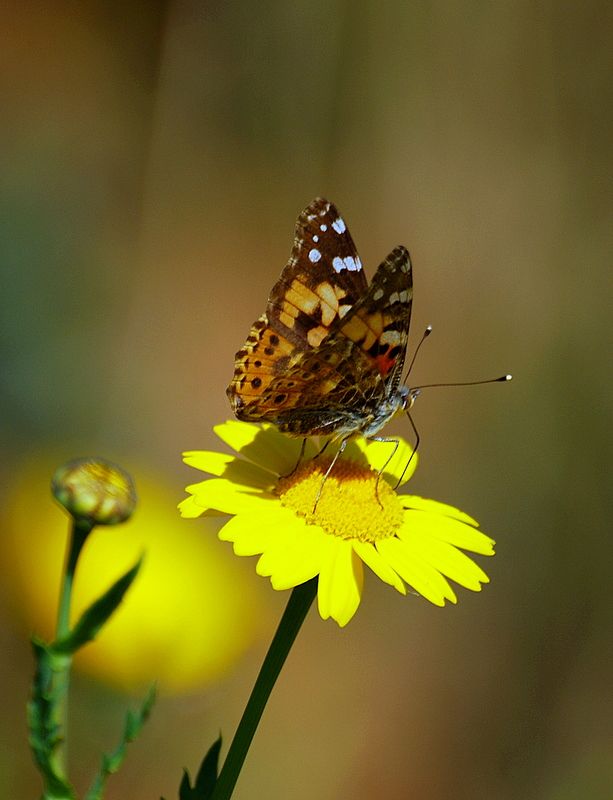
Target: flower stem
(63,663)
(297,607)
(77,540)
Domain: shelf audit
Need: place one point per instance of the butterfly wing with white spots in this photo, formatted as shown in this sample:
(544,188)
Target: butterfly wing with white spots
(328,353)
(321,281)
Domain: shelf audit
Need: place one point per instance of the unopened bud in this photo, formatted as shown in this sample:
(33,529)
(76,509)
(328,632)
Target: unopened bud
(94,491)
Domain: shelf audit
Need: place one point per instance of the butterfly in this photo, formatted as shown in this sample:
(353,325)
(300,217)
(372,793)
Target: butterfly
(327,355)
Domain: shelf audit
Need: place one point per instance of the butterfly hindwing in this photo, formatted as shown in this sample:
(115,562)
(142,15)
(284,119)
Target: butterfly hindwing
(379,323)
(360,363)
(256,364)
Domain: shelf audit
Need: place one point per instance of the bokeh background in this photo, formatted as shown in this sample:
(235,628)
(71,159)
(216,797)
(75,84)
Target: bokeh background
(153,157)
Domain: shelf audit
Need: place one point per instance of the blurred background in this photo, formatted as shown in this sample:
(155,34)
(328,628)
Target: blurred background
(154,157)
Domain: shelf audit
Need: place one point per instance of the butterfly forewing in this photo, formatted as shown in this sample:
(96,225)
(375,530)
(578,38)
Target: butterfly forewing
(321,281)
(330,349)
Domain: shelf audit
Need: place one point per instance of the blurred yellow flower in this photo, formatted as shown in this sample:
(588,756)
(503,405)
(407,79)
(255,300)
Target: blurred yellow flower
(358,519)
(182,623)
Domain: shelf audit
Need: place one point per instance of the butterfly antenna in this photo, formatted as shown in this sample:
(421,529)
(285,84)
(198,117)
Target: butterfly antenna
(417,440)
(425,335)
(501,379)
(415,392)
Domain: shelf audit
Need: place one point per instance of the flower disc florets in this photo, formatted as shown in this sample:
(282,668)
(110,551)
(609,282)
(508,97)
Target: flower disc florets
(352,502)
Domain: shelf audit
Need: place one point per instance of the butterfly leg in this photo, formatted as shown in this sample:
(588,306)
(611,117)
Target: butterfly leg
(300,456)
(417,440)
(396,443)
(322,450)
(338,453)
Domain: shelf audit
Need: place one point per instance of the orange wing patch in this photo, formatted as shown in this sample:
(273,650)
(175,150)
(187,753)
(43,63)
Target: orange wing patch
(307,308)
(262,357)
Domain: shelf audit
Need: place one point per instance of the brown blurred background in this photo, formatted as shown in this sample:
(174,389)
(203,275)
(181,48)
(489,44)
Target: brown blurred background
(154,156)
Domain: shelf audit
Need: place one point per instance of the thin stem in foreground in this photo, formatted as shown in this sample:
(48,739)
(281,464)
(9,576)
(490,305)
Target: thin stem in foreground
(297,607)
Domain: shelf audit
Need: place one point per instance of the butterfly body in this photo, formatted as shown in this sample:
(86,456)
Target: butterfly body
(327,355)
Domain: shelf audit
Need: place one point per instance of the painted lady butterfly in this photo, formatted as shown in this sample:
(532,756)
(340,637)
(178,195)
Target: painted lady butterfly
(327,355)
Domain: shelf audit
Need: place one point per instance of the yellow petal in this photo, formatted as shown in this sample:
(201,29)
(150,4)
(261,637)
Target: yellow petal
(301,560)
(416,572)
(263,445)
(272,558)
(230,498)
(373,559)
(208,460)
(189,509)
(329,546)
(230,467)
(340,582)
(236,434)
(252,534)
(294,555)
(446,559)
(424,504)
(449,530)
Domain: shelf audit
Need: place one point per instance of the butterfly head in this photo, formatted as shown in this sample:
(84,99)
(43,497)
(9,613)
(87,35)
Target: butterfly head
(399,402)
(404,399)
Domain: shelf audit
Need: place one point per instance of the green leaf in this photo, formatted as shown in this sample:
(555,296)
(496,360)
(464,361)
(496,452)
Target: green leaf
(185,788)
(206,777)
(45,735)
(94,617)
(111,762)
(207,774)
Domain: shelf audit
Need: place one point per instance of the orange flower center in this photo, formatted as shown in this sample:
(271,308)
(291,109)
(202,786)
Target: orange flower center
(353,502)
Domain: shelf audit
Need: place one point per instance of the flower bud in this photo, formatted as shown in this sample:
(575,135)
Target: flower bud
(94,491)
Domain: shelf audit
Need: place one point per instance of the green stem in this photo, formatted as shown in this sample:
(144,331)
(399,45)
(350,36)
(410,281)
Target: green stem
(291,622)
(62,664)
(78,536)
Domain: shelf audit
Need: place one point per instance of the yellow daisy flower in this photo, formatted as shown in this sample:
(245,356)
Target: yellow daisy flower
(358,518)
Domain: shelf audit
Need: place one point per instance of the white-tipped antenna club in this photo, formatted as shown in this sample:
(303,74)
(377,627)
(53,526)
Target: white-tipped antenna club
(424,336)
